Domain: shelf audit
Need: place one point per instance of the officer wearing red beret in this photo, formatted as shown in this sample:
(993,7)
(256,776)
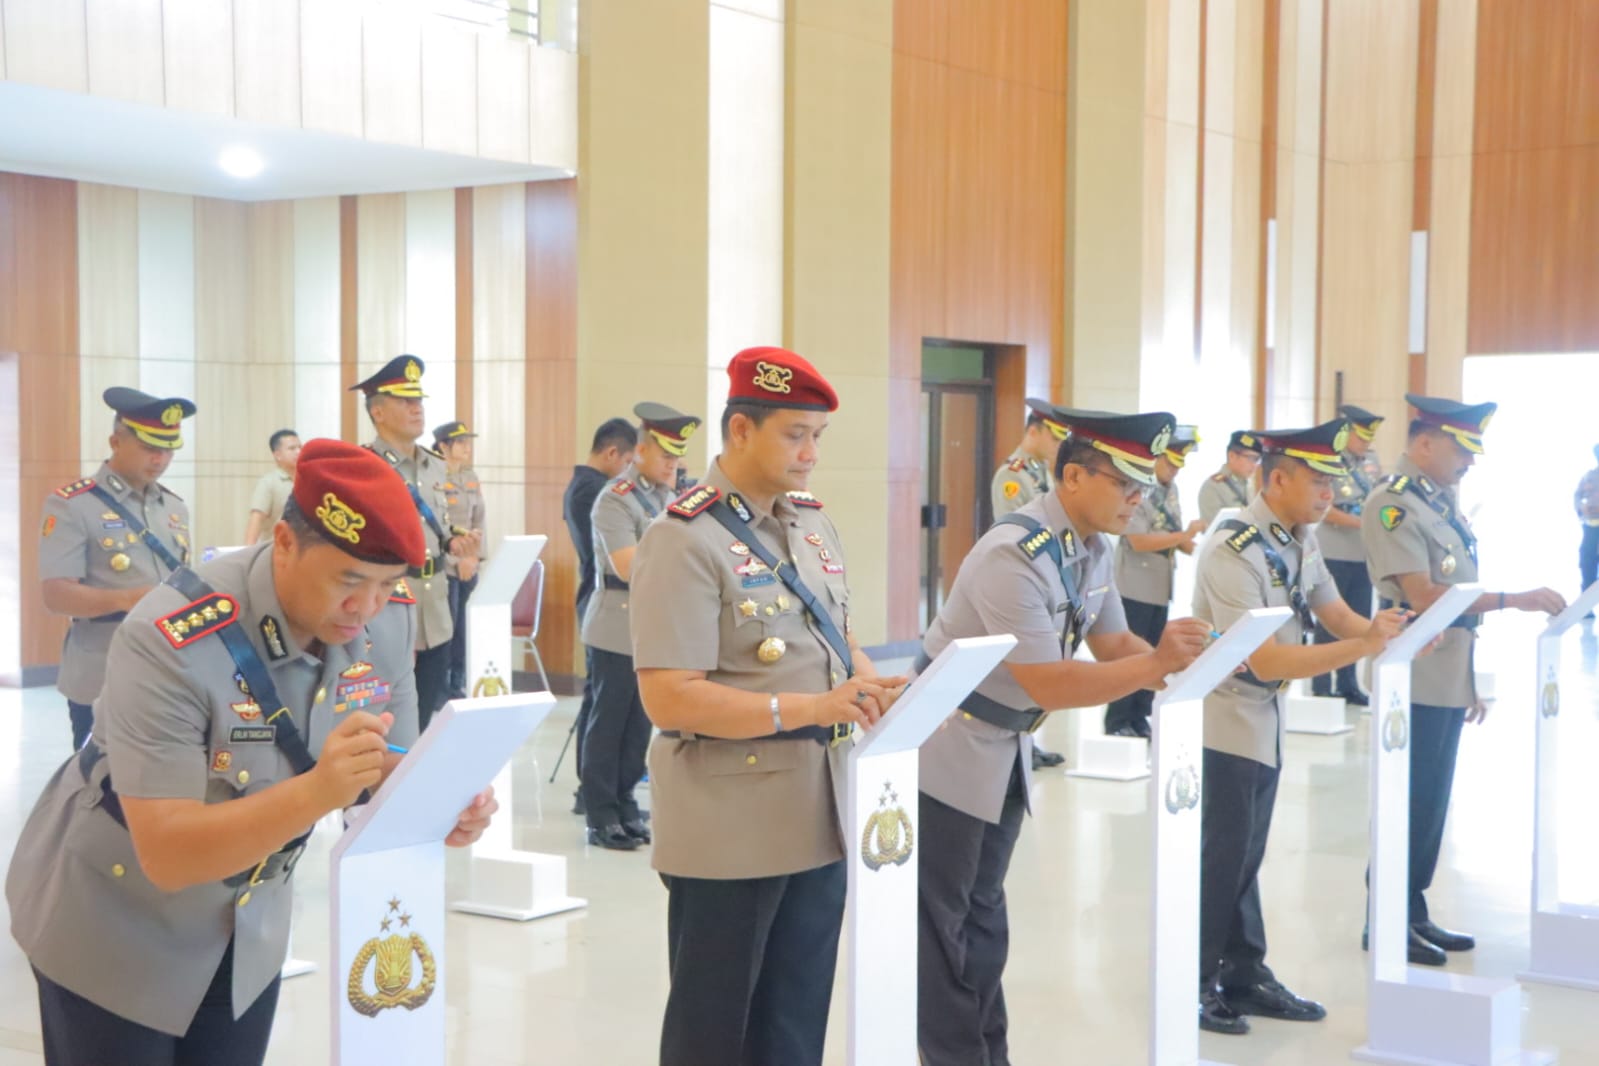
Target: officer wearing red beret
(150,888)
(746,661)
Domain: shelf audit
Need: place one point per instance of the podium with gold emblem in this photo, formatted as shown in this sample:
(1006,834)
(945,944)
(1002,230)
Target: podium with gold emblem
(1416,1015)
(1565,934)
(387,882)
(880,841)
(1176,786)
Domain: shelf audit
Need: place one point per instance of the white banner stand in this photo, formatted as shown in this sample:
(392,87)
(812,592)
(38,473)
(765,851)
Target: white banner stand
(1413,1015)
(881,849)
(1174,795)
(1565,936)
(386,882)
(504,882)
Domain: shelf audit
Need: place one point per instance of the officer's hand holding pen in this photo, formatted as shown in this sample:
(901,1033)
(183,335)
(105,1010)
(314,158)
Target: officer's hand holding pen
(860,700)
(1180,643)
(352,759)
(1386,626)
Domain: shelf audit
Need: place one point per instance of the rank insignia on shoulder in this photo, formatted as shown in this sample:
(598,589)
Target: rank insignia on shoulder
(1017,465)
(1282,535)
(200,618)
(402,593)
(1034,543)
(694,502)
(804,499)
(77,488)
(1391,517)
(622,488)
(1243,538)
(1426,486)
(1218,478)
(1399,484)
(272,633)
(1068,540)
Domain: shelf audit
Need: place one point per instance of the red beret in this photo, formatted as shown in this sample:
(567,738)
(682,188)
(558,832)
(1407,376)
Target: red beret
(359,502)
(776,377)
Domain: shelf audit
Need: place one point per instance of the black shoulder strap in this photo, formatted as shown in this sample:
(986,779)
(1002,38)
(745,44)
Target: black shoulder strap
(734,515)
(1439,507)
(1041,539)
(138,527)
(1245,534)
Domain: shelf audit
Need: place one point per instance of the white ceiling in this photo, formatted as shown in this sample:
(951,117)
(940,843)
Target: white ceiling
(89,138)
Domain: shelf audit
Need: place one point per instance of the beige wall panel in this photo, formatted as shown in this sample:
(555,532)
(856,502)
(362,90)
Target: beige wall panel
(1221,58)
(243,404)
(271,336)
(499,282)
(430,295)
(498,386)
(124,49)
(95,375)
(1248,71)
(771,10)
(108,270)
(871,20)
(316,279)
(330,76)
(391,78)
(166,311)
(1449,273)
(503,98)
(1301,58)
(449,89)
(380,283)
(222,281)
(266,58)
(1156,44)
(552,108)
(45,44)
(1454,94)
(199,66)
(1371,80)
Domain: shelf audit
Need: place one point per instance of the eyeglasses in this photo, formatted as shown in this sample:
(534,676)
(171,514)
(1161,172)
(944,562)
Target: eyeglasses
(1131,491)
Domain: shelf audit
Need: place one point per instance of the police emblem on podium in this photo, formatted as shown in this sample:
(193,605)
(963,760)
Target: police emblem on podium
(389,960)
(1395,726)
(1182,789)
(889,837)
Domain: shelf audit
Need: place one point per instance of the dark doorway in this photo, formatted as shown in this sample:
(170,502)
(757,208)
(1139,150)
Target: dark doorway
(957,421)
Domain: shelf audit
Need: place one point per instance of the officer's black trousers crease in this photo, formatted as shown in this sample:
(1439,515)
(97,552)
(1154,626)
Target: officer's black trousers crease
(615,742)
(1354,585)
(82,716)
(1239,796)
(79,1033)
(1434,744)
(460,592)
(963,932)
(1588,555)
(752,965)
(432,682)
(1145,620)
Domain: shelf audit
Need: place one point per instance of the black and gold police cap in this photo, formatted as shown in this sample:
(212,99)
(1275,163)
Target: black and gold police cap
(1362,421)
(155,421)
(400,376)
(1045,412)
(1184,439)
(1244,440)
(1462,421)
(1320,447)
(668,427)
(452,431)
(1131,442)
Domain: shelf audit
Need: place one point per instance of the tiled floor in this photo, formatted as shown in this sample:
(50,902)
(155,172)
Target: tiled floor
(588,987)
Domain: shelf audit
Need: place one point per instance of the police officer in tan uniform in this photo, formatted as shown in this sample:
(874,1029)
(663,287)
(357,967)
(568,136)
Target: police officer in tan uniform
(394,404)
(463,509)
(1268,557)
(1586,500)
(1339,536)
(108,539)
(1024,475)
(1229,486)
(271,493)
(618,730)
(1418,543)
(1043,573)
(746,661)
(150,887)
(1146,565)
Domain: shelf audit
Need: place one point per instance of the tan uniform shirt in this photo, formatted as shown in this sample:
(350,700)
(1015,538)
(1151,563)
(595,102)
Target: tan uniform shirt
(699,601)
(176,724)
(1234,576)
(622,512)
(84,540)
(1402,534)
(1147,576)
(1221,490)
(967,762)
(270,494)
(1349,496)
(462,493)
(1018,482)
(427,472)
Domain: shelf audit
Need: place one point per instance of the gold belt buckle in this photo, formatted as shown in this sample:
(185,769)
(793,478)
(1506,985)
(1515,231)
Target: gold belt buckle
(841,733)
(1038,723)
(255,876)
(428,568)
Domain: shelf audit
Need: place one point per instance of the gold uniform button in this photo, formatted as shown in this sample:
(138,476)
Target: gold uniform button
(966,715)
(244,777)
(244,899)
(117,870)
(321,692)
(750,760)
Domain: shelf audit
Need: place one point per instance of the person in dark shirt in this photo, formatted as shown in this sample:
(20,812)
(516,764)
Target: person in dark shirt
(611,451)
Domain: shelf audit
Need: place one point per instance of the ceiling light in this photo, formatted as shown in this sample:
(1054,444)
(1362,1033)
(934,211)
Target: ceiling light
(240,161)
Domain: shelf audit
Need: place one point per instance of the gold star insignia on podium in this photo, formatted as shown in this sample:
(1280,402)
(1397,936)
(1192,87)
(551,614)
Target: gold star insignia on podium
(394,905)
(405,921)
(385,924)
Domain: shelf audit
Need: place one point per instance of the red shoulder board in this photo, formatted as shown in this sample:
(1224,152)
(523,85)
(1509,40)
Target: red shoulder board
(804,499)
(77,488)
(1218,478)
(1017,465)
(201,618)
(402,593)
(694,502)
(622,488)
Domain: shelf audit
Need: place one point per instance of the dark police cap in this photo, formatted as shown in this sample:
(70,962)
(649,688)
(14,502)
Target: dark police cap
(1320,447)
(1131,442)
(1463,421)
(155,421)
(400,376)
(667,426)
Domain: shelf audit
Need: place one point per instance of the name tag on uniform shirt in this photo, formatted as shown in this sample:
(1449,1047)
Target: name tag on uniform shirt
(252,734)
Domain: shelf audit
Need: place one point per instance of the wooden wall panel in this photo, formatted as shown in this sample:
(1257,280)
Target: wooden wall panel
(123,40)
(449,89)
(266,57)
(391,81)
(380,285)
(199,73)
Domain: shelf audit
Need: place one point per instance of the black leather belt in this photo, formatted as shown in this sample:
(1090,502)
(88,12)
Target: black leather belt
(831,735)
(615,583)
(993,712)
(278,864)
(115,617)
(1464,621)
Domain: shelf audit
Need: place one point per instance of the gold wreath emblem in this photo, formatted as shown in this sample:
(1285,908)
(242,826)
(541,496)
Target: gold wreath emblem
(889,837)
(1341,441)
(1162,439)
(1182,790)
(340,519)
(490,684)
(773,378)
(413,372)
(1395,731)
(1550,704)
(392,975)
(172,415)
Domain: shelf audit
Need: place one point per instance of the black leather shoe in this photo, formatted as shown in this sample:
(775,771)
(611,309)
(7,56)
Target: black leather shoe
(637,830)
(1418,949)
(1271,1000)
(1044,759)
(1356,698)
(577,802)
(614,837)
(1447,939)
(1217,1016)
(1123,731)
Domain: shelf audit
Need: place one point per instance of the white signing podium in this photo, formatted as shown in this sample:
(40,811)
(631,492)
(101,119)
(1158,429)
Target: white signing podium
(1174,797)
(387,882)
(504,882)
(1415,1016)
(1565,936)
(881,849)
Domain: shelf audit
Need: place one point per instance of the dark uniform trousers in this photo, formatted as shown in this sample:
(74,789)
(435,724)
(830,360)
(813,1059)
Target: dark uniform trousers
(585,706)
(1147,620)
(615,742)
(963,931)
(1434,744)
(80,1033)
(752,964)
(1588,555)
(432,682)
(82,715)
(460,592)
(1239,796)
(1354,585)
